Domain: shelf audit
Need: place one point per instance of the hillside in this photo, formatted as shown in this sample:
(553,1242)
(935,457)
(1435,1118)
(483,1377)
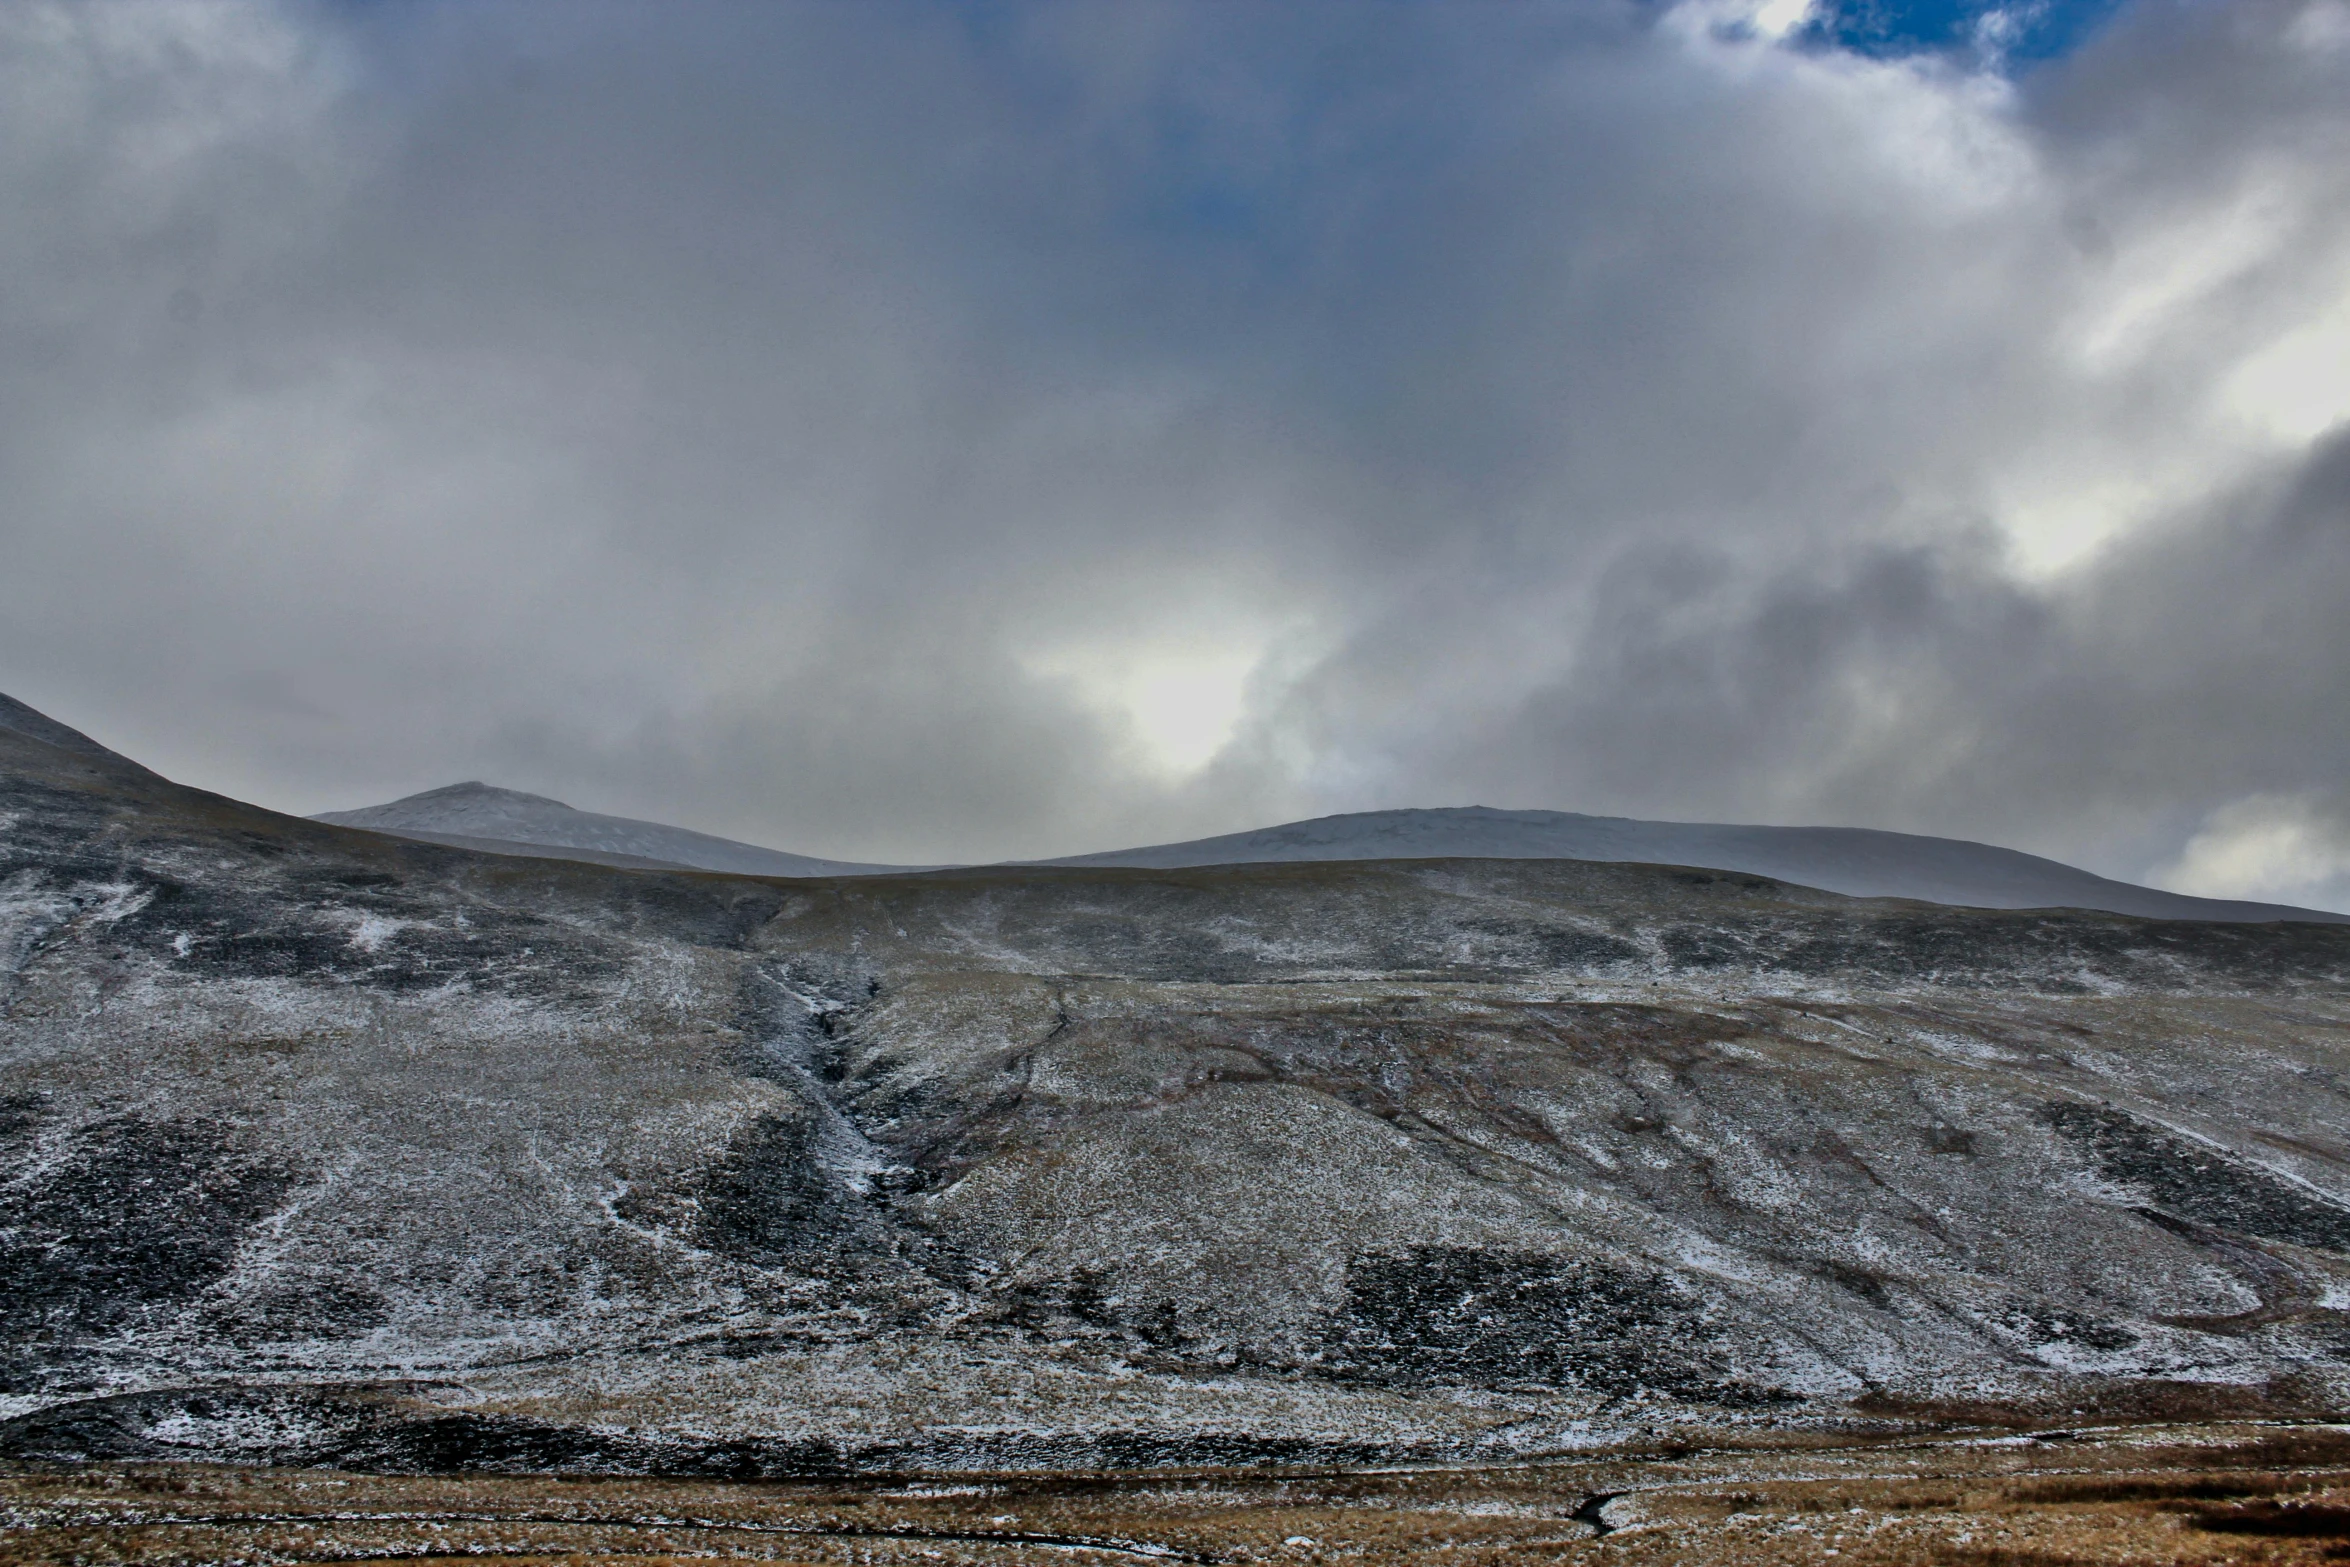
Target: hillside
(319,1146)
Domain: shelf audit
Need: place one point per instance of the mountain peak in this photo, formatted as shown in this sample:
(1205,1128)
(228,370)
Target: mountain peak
(474,789)
(474,814)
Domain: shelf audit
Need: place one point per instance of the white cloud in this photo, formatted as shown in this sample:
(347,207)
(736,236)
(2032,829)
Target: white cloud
(2297,387)
(2268,847)
(1182,705)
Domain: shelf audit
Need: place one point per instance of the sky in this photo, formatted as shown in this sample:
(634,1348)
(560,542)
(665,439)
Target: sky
(949,431)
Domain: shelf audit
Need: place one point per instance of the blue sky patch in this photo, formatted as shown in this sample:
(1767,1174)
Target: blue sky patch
(2021,30)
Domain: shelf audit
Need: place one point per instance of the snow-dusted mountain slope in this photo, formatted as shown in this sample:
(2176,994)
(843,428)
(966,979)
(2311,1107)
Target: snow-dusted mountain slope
(321,1147)
(507,821)
(1854,861)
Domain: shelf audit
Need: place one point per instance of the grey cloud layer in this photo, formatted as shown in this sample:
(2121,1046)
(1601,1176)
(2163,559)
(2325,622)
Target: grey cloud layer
(789,420)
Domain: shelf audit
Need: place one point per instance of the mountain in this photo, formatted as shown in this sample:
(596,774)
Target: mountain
(1857,862)
(1854,861)
(323,1147)
(507,821)
(18,719)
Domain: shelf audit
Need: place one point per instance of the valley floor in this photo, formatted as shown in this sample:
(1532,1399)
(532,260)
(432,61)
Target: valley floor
(2237,1493)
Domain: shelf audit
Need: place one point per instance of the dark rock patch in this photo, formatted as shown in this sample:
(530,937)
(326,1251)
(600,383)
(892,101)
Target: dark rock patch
(2198,1182)
(1860,1283)
(771,1203)
(138,1214)
(1511,944)
(352,1429)
(1060,1306)
(304,1309)
(386,1433)
(2040,1326)
(1692,947)
(1463,1316)
(1164,950)
(20,1113)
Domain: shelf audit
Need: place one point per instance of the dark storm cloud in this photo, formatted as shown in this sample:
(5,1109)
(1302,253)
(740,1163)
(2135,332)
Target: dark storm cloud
(937,431)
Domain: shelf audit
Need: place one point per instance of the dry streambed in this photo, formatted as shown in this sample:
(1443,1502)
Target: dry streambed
(2189,1494)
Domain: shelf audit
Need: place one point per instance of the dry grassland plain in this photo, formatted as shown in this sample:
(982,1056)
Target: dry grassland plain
(2214,1493)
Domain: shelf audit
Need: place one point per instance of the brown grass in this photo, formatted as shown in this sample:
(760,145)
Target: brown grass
(2126,1497)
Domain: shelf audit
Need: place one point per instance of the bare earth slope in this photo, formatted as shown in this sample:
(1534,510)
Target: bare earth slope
(322,1147)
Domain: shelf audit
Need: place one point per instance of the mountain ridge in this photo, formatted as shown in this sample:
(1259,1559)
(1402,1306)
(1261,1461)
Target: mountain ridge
(1852,861)
(1857,862)
(31,722)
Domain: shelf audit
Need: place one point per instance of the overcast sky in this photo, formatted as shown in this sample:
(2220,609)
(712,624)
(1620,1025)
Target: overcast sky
(944,431)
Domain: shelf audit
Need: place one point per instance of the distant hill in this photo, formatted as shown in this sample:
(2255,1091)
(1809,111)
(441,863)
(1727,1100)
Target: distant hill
(507,821)
(1855,861)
